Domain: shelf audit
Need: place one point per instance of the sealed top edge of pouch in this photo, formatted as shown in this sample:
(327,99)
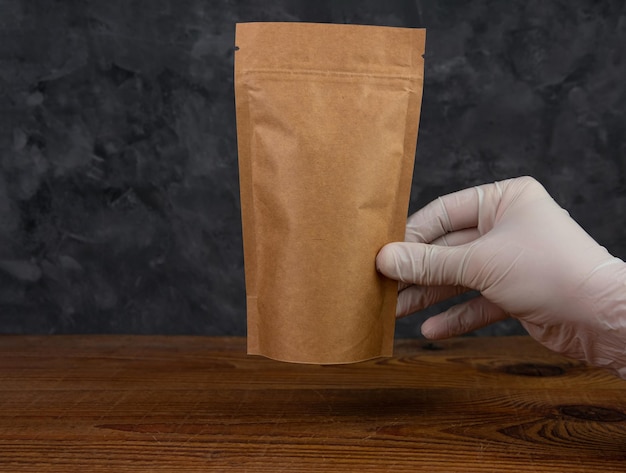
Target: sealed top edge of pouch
(383,50)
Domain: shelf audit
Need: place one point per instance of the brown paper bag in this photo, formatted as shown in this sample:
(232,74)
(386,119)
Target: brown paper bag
(327,119)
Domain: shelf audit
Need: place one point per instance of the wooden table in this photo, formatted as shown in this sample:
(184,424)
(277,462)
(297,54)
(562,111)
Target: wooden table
(184,404)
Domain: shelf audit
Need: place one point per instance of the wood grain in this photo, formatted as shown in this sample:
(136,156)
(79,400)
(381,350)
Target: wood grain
(143,404)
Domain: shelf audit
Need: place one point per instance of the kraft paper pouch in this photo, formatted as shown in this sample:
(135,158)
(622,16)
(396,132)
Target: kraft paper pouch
(327,119)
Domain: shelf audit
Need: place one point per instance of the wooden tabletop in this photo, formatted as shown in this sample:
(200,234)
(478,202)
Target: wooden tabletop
(183,404)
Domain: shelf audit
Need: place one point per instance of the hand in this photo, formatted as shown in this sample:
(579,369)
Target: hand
(528,258)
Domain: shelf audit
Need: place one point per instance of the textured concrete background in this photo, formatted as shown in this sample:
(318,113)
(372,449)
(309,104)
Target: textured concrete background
(119,205)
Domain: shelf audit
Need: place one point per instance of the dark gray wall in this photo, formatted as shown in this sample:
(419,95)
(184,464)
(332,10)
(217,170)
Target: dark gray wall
(119,205)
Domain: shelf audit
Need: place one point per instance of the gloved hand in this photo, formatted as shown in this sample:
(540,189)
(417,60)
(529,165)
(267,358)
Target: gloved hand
(528,258)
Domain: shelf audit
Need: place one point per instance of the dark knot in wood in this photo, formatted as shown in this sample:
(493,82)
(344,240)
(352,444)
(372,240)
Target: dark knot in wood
(538,370)
(594,413)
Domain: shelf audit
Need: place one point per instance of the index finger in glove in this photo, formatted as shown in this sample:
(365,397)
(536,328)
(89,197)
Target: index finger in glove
(472,208)
(446,214)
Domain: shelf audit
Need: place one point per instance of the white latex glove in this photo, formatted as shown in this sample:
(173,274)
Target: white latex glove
(528,258)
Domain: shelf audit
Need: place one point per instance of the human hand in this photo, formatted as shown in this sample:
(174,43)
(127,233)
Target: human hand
(528,258)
